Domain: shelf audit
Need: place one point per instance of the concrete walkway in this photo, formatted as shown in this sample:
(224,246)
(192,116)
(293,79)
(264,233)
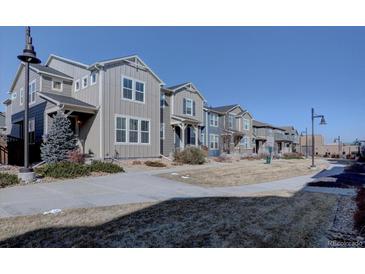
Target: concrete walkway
(133,187)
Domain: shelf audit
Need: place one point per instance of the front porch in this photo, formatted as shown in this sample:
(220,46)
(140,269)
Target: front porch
(186,132)
(231,141)
(80,114)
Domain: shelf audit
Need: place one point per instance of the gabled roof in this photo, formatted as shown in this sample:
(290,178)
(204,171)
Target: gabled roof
(290,129)
(59,100)
(53,56)
(226,108)
(210,109)
(178,87)
(259,124)
(39,69)
(48,70)
(245,112)
(131,59)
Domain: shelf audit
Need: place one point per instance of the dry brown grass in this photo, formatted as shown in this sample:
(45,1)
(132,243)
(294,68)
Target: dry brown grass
(268,221)
(247,172)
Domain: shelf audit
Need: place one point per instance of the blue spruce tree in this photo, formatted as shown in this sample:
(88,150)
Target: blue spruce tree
(60,140)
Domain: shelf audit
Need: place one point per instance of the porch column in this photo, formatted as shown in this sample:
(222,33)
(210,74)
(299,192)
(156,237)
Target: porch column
(182,141)
(196,135)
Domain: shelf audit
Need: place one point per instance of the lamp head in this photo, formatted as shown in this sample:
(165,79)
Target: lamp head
(29,55)
(323,121)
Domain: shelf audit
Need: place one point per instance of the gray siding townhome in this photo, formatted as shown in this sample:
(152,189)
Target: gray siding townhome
(182,117)
(235,126)
(268,137)
(212,130)
(293,136)
(113,105)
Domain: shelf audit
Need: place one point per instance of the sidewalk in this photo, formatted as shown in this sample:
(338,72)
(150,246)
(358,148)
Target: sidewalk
(133,187)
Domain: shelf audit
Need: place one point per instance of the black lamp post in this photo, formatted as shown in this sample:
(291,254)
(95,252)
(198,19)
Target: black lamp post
(323,122)
(306,141)
(28,57)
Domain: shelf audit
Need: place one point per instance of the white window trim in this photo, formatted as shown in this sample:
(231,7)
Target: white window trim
(21,98)
(134,90)
(186,106)
(82,82)
(61,89)
(215,136)
(35,92)
(91,78)
(162,126)
(77,89)
(246,121)
(127,130)
(214,120)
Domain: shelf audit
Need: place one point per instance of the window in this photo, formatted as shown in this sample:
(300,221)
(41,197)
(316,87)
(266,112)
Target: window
(133,90)
(32,88)
(21,96)
(139,91)
(84,82)
(133,131)
(130,130)
(202,139)
(231,121)
(127,88)
(145,132)
(77,85)
(31,127)
(121,130)
(189,107)
(163,100)
(213,119)
(213,141)
(93,78)
(57,85)
(162,131)
(246,124)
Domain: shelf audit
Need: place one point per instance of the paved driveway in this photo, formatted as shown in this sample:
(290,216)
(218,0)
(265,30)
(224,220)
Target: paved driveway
(133,187)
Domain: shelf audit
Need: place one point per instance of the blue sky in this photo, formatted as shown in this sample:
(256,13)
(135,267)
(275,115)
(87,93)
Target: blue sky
(277,73)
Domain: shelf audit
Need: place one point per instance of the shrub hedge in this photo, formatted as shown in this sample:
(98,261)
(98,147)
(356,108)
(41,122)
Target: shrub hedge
(191,155)
(63,170)
(7,179)
(99,166)
(154,164)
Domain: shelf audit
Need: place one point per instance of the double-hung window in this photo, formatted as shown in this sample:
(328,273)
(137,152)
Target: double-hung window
(213,120)
(133,90)
(231,121)
(139,91)
(77,85)
(31,127)
(32,88)
(162,100)
(133,130)
(246,124)
(84,82)
(213,141)
(189,107)
(121,130)
(21,96)
(127,88)
(145,132)
(93,78)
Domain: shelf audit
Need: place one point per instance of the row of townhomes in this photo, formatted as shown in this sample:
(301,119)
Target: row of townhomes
(120,107)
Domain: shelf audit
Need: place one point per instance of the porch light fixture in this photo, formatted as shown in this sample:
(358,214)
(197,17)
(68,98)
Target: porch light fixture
(322,122)
(29,56)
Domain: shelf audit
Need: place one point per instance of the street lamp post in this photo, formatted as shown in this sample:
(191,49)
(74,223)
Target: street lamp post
(323,122)
(27,57)
(306,141)
(338,140)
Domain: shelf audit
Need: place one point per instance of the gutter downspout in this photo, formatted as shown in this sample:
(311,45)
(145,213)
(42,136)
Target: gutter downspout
(101,109)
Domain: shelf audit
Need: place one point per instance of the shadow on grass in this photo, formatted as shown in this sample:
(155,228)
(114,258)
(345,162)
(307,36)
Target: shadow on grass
(271,221)
(353,175)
